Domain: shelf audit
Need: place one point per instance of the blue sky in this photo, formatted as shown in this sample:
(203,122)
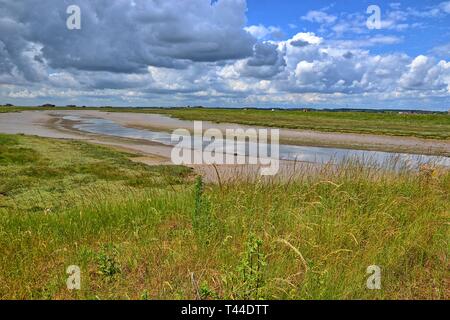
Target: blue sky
(433,32)
(226,53)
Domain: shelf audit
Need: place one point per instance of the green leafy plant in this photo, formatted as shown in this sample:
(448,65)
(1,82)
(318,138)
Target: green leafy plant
(251,269)
(206,292)
(108,265)
(202,220)
(145,295)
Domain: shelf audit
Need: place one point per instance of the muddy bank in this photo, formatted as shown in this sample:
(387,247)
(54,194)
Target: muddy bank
(49,125)
(53,125)
(287,136)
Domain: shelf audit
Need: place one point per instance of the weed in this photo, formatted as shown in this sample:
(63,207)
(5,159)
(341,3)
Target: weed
(251,269)
(206,292)
(202,220)
(145,295)
(108,265)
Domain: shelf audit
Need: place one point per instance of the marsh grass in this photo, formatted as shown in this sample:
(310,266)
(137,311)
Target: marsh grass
(312,237)
(430,126)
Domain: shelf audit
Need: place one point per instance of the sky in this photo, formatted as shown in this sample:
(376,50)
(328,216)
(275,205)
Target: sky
(226,53)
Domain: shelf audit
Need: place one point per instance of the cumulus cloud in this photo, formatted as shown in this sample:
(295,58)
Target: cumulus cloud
(126,36)
(341,67)
(267,61)
(424,73)
(262,32)
(146,52)
(304,39)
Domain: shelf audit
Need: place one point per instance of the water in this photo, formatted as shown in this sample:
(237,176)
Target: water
(287,152)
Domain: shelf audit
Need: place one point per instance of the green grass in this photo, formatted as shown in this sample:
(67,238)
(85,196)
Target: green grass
(153,232)
(430,126)
(433,126)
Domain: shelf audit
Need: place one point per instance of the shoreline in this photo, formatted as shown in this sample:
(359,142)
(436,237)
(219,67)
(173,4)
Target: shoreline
(51,124)
(366,142)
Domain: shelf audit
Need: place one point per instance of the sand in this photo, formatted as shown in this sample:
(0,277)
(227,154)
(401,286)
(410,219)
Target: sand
(51,125)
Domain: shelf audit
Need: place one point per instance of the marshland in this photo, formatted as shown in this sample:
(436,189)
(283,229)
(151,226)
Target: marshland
(140,231)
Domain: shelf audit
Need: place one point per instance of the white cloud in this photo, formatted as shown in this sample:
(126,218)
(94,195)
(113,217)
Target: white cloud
(319,17)
(305,38)
(262,32)
(445,6)
(205,54)
(118,37)
(424,73)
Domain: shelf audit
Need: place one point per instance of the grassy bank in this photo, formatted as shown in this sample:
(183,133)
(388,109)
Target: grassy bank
(154,233)
(430,126)
(433,126)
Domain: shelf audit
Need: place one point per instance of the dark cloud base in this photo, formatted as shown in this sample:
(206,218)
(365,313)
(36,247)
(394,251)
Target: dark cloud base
(165,53)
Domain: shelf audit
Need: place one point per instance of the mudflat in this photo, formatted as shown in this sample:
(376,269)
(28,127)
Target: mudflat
(51,124)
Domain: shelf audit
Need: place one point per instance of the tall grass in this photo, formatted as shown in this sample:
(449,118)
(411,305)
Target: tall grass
(312,237)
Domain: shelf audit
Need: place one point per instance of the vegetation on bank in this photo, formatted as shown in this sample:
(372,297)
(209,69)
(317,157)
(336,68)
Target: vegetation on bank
(140,232)
(430,126)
